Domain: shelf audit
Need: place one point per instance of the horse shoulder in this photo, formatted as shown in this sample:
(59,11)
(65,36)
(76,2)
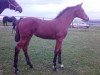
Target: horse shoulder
(61,31)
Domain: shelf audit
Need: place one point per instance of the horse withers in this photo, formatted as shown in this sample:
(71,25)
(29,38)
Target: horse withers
(55,29)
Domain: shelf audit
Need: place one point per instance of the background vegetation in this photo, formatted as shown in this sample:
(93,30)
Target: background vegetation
(80,54)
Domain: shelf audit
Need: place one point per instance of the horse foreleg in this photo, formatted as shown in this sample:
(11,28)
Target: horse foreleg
(54,61)
(57,53)
(16,59)
(59,59)
(27,57)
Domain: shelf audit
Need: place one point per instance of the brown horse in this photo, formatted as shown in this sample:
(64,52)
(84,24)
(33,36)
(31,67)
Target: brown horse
(11,4)
(47,29)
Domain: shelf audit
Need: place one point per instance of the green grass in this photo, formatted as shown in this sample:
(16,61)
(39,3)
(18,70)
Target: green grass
(80,54)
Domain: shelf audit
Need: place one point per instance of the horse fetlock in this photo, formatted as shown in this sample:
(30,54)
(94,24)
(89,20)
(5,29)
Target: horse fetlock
(16,70)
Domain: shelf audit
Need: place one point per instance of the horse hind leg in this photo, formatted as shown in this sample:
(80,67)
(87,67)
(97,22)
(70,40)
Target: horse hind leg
(17,50)
(20,45)
(25,49)
(27,56)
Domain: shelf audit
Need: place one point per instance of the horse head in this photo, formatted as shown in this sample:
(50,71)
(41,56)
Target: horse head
(80,13)
(12,4)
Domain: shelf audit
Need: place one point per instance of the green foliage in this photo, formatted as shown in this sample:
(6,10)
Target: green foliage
(80,53)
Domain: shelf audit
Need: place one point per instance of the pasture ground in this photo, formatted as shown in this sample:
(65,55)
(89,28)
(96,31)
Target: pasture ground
(80,54)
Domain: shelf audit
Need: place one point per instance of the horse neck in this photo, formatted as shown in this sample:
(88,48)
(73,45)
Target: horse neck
(1,10)
(67,17)
(3,5)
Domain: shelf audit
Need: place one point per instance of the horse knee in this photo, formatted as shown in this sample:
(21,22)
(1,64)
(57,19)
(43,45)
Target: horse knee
(58,51)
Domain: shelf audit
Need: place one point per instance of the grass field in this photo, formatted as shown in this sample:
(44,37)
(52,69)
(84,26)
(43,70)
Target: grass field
(80,55)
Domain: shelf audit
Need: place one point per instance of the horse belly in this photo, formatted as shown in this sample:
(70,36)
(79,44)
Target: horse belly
(46,35)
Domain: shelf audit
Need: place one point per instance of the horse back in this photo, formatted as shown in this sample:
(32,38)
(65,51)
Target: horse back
(47,29)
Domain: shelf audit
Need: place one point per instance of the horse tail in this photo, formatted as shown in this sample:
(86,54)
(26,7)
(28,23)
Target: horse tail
(17,35)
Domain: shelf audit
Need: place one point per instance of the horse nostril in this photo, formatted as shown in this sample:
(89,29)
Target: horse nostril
(86,19)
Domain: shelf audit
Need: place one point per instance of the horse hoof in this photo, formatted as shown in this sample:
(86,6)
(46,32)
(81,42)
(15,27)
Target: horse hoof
(62,66)
(16,71)
(55,70)
(31,66)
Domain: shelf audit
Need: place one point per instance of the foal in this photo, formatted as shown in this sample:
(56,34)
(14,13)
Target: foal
(55,29)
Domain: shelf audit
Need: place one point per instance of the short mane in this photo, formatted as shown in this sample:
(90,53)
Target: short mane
(63,11)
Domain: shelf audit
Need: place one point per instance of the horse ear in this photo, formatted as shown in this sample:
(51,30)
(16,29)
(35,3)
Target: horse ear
(81,4)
